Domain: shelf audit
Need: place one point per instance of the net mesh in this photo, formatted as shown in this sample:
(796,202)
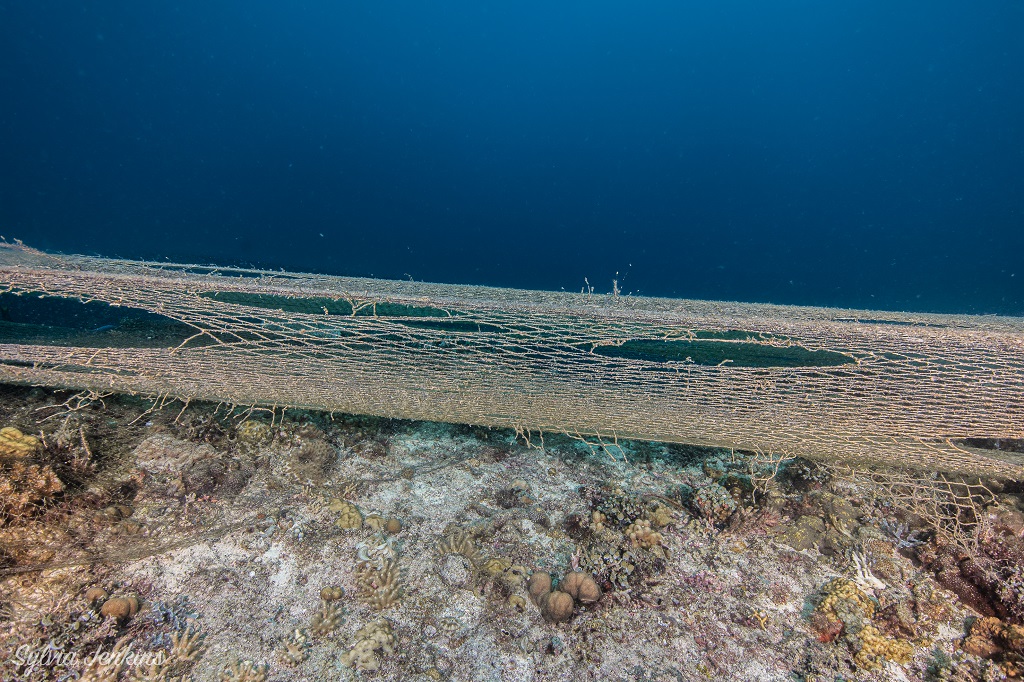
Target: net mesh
(903,389)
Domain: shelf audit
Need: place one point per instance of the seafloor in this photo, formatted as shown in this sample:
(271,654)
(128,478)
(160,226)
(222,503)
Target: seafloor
(246,545)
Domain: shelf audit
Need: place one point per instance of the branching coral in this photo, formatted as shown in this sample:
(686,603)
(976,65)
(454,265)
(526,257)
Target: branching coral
(245,671)
(379,588)
(327,619)
(371,640)
(293,649)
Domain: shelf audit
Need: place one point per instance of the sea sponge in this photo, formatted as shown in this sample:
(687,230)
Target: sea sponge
(571,583)
(557,607)
(120,607)
(393,526)
(539,585)
(14,443)
(370,639)
(349,516)
(95,594)
(581,587)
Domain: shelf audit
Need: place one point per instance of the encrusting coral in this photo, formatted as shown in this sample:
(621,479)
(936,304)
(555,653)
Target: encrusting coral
(371,639)
(23,485)
(14,443)
(349,516)
(993,639)
(846,609)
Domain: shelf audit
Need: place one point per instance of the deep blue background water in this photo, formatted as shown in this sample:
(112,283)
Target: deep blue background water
(864,154)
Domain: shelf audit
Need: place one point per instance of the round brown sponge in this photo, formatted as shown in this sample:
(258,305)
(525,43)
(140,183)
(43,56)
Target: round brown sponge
(558,607)
(589,591)
(539,585)
(571,584)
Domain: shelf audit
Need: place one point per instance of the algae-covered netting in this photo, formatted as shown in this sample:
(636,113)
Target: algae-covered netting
(904,389)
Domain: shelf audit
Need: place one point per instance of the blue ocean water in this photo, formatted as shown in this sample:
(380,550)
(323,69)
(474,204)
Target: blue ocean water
(853,154)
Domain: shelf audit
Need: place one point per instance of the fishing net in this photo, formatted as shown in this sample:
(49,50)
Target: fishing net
(866,388)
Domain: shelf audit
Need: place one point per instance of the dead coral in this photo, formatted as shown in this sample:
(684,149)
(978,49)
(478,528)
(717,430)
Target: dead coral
(455,570)
(714,503)
(312,462)
(371,640)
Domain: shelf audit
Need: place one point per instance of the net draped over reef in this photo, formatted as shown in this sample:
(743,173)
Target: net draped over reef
(862,387)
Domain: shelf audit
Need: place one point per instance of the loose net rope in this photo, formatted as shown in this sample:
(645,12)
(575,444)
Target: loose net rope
(913,386)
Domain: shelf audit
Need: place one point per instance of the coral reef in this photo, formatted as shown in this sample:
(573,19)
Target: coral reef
(656,584)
